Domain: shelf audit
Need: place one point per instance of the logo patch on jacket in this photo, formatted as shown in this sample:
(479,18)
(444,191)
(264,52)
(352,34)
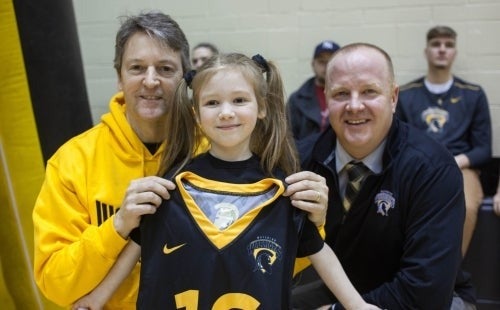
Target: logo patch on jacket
(384,202)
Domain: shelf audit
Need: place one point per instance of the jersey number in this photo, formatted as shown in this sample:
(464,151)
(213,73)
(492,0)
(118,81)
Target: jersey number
(189,301)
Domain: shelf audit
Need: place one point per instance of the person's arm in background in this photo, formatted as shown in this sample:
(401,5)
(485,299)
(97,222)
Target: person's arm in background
(71,255)
(480,136)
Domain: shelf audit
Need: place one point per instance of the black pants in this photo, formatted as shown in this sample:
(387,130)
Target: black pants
(309,292)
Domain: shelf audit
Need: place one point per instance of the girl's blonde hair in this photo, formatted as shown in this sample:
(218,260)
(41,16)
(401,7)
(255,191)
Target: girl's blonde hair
(271,139)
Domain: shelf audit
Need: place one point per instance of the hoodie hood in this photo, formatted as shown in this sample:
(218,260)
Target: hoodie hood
(126,143)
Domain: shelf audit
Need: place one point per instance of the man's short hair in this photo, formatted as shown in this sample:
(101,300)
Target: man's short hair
(440,32)
(210,46)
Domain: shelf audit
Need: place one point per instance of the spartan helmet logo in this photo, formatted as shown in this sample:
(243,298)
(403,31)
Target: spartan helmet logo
(264,259)
(264,251)
(384,202)
(435,118)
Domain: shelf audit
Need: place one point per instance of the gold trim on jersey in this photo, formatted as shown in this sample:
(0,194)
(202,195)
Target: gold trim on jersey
(411,85)
(221,238)
(467,86)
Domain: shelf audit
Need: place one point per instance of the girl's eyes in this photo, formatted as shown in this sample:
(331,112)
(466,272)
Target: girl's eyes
(239,100)
(211,103)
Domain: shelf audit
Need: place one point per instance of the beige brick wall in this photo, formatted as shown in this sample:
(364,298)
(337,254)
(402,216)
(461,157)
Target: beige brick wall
(287,30)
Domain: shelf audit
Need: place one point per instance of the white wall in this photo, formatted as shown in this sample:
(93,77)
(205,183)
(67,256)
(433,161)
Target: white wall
(286,31)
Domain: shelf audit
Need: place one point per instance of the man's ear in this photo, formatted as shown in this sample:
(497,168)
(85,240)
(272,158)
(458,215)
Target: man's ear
(119,79)
(394,97)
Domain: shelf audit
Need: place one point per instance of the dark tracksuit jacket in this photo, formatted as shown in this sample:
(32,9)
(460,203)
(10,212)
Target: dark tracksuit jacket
(400,242)
(303,111)
(459,118)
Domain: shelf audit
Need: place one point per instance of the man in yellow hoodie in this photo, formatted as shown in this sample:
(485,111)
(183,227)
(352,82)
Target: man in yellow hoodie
(79,232)
(98,184)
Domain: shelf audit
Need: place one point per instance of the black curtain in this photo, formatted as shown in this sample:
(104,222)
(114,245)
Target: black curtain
(54,68)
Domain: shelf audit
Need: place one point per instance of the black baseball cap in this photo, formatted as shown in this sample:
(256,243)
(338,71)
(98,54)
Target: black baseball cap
(325,46)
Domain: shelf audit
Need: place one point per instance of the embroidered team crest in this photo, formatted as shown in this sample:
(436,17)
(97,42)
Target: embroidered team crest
(264,251)
(384,202)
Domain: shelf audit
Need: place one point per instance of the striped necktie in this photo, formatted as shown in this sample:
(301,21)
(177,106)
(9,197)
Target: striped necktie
(356,172)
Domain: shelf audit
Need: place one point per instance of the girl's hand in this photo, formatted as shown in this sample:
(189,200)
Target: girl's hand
(86,303)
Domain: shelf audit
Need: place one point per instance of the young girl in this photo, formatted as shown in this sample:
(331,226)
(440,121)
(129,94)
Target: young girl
(227,238)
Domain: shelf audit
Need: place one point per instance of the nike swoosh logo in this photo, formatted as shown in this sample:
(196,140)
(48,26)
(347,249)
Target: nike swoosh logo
(455,99)
(168,250)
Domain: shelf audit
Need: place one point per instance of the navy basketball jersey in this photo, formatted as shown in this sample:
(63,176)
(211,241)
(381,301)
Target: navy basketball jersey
(218,245)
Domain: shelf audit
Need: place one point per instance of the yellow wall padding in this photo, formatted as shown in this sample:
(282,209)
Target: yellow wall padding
(21,173)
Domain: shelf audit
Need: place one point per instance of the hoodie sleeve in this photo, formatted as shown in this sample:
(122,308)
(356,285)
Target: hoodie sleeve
(71,255)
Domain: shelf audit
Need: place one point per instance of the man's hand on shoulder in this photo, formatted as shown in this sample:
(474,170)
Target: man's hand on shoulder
(308,191)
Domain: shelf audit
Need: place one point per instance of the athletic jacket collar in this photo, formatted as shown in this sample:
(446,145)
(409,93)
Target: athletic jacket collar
(326,143)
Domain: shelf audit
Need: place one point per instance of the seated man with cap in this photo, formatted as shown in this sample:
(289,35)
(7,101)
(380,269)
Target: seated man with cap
(306,107)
